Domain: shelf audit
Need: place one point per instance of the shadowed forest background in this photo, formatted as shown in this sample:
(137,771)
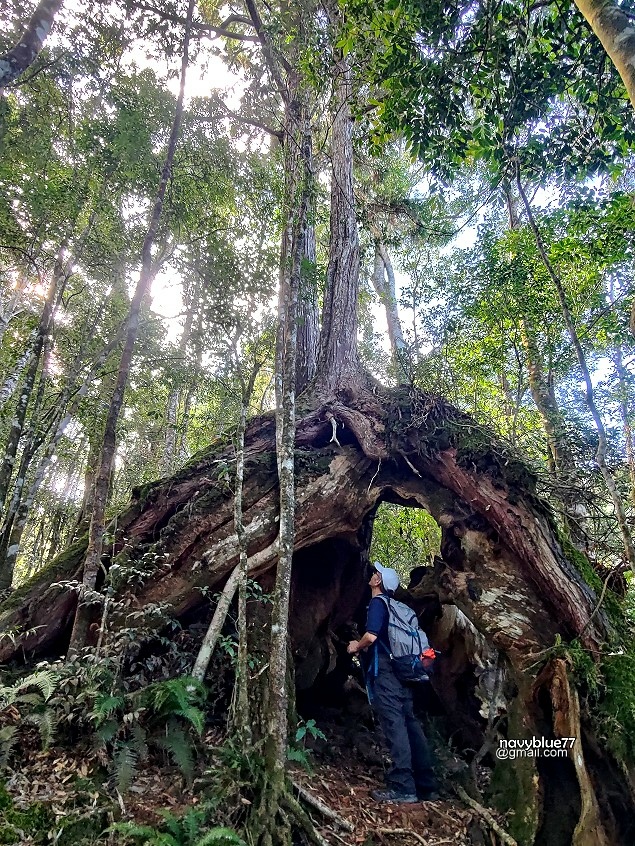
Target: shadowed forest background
(286,288)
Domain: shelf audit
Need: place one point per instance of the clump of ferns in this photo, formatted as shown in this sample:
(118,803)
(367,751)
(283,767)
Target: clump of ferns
(166,717)
(25,704)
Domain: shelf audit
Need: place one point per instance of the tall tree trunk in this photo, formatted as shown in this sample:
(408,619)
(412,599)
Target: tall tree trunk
(25,52)
(61,273)
(12,305)
(12,380)
(64,418)
(170,454)
(35,437)
(561,459)
(600,454)
(385,287)
(614,27)
(241,711)
(298,185)
(308,318)
(148,271)
(622,378)
(338,339)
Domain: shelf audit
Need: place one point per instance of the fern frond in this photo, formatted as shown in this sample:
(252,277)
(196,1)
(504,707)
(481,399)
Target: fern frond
(28,699)
(105,706)
(179,747)
(8,737)
(107,731)
(44,722)
(151,836)
(220,837)
(125,766)
(195,717)
(139,741)
(44,680)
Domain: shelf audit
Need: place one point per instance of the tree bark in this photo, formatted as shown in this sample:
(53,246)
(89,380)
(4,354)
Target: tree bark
(385,287)
(11,382)
(616,31)
(308,318)
(214,629)
(148,271)
(338,340)
(25,52)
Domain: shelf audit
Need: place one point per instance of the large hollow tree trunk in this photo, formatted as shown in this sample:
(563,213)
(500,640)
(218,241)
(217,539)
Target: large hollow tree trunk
(504,567)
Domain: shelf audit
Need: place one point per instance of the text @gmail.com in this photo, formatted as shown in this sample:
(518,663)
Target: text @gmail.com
(535,747)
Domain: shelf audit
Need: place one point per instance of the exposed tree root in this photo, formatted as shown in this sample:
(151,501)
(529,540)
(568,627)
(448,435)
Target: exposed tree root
(279,812)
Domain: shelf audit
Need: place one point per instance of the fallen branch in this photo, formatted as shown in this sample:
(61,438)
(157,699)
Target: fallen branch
(483,812)
(327,812)
(303,819)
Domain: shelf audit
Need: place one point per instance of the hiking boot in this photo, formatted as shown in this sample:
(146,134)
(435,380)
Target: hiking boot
(393,796)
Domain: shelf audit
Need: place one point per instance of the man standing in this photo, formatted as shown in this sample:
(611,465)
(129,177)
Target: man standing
(411,777)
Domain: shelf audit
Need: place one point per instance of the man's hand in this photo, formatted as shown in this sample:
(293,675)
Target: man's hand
(353,647)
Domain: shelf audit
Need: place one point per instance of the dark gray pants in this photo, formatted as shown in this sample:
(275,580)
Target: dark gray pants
(411,770)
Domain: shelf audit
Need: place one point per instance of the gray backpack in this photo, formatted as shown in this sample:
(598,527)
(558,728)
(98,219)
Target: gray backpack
(411,655)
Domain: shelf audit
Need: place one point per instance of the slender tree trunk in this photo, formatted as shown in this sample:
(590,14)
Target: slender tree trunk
(25,52)
(148,271)
(61,274)
(241,715)
(385,288)
(12,380)
(13,304)
(622,378)
(298,186)
(170,454)
(600,454)
(338,339)
(214,629)
(21,513)
(308,318)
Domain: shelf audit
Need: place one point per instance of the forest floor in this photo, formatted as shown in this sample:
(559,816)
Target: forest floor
(344,768)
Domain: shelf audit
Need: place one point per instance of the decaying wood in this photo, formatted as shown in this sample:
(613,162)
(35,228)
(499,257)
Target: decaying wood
(504,567)
(566,723)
